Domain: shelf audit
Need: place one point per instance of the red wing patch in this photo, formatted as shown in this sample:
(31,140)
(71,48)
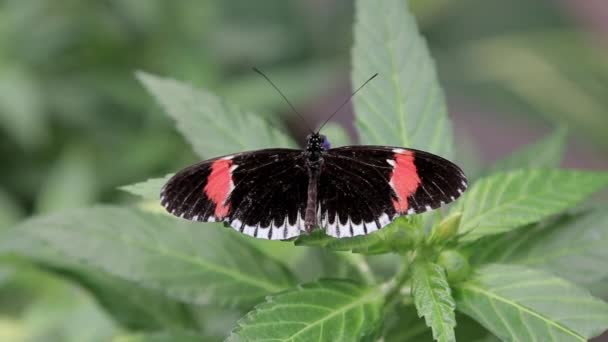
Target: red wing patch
(404,179)
(219,186)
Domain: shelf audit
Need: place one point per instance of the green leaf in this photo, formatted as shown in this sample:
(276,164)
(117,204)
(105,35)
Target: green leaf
(133,306)
(520,304)
(404,105)
(574,247)
(195,263)
(336,134)
(213,127)
(433,299)
(149,189)
(401,235)
(327,310)
(403,325)
(545,153)
(505,201)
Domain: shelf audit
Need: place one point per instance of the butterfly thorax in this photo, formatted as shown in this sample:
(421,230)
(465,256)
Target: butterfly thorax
(316,145)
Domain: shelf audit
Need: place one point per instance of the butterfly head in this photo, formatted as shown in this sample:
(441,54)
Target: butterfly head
(316,143)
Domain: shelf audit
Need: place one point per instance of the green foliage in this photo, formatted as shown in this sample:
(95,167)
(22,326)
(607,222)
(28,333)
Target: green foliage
(572,246)
(404,106)
(149,189)
(196,113)
(434,300)
(506,201)
(507,262)
(521,304)
(327,310)
(190,264)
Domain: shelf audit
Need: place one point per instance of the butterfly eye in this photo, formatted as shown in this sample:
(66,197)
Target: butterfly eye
(325,143)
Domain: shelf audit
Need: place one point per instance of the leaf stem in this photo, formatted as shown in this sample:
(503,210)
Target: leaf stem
(394,287)
(359,262)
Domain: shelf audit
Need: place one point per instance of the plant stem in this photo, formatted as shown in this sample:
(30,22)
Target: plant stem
(393,287)
(359,262)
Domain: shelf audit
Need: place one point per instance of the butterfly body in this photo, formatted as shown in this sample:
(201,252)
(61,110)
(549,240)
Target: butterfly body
(281,193)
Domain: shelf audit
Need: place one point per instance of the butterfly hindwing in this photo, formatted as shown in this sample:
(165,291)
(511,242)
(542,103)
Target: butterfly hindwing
(364,188)
(260,193)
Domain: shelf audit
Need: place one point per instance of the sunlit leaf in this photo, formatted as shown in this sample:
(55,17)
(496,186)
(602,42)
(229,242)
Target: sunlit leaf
(572,247)
(212,126)
(327,310)
(404,105)
(520,304)
(149,189)
(433,299)
(192,262)
(506,201)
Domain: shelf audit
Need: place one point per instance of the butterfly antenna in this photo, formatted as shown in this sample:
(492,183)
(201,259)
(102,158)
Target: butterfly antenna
(284,98)
(347,101)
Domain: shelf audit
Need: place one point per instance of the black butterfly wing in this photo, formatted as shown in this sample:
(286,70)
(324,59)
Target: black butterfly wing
(363,188)
(260,193)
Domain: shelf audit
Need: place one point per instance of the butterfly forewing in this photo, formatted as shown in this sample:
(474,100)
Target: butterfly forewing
(364,188)
(260,193)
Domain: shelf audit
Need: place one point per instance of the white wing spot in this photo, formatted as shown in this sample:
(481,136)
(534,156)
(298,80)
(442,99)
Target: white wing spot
(384,220)
(358,229)
(371,227)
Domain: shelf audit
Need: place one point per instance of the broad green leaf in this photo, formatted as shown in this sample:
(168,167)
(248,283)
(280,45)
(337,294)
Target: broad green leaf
(336,134)
(401,235)
(327,310)
(521,304)
(404,105)
(545,153)
(133,306)
(195,263)
(433,299)
(213,127)
(149,189)
(505,201)
(573,247)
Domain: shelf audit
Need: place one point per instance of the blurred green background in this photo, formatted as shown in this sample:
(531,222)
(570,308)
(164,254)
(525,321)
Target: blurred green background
(75,124)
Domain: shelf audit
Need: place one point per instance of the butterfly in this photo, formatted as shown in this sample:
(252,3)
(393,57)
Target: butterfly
(281,193)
